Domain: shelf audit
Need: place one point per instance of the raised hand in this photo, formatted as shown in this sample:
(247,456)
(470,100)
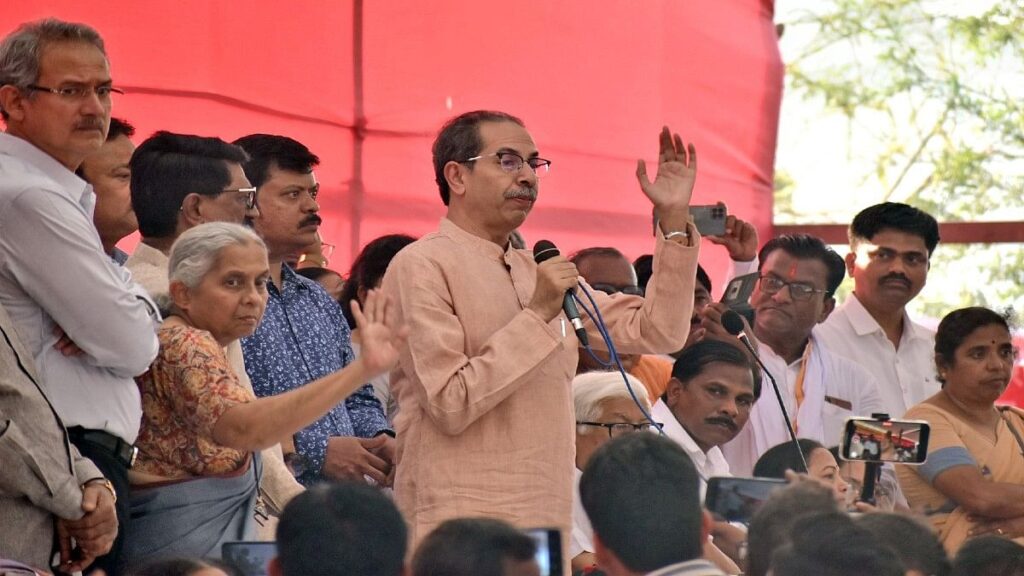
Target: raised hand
(379,336)
(740,239)
(677,171)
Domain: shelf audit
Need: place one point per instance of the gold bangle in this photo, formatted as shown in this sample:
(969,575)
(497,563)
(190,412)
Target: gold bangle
(106,484)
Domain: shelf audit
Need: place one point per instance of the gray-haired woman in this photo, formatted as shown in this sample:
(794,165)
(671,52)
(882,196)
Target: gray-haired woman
(197,472)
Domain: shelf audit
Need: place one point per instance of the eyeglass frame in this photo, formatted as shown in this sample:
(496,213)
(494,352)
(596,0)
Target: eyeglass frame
(641,427)
(77,93)
(546,164)
(250,195)
(803,296)
(612,289)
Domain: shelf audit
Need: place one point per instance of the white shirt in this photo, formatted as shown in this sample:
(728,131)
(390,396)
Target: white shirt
(708,464)
(53,272)
(830,380)
(905,375)
(582,538)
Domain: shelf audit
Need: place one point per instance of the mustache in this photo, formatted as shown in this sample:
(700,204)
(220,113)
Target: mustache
(90,123)
(521,193)
(728,422)
(311,219)
(895,276)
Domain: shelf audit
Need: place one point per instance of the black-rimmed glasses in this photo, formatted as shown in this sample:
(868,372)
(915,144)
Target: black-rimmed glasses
(616,429)
(797,290)
(512,163)
(78,92)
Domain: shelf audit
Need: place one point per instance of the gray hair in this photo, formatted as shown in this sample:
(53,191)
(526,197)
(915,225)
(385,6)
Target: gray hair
(195,252)
(590,389)
(21,50)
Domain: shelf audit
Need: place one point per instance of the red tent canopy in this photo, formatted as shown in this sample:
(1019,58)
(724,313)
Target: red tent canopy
(366,85)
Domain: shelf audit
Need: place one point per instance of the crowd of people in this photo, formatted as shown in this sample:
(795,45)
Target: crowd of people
(417,413)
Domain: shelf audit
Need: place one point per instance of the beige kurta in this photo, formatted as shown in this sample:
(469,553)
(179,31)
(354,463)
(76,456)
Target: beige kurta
(486,426)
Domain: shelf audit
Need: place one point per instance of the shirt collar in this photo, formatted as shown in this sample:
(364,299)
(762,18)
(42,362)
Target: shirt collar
(675,431)
(25,151)
(863,323)
(485,247)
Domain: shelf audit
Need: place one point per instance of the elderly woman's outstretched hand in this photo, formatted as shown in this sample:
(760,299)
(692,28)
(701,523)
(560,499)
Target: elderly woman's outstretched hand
(379,336)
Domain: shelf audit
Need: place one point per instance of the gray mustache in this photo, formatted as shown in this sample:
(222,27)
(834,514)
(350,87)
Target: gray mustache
(524,193)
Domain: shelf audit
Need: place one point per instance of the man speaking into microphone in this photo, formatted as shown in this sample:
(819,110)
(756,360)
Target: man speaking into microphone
(486,425)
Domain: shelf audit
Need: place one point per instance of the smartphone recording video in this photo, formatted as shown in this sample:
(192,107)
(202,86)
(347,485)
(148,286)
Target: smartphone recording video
(877,440)
(736,499)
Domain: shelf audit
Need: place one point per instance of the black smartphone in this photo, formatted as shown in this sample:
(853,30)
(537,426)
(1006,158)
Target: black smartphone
(249,558)
(736,499)
(709,220)
(738,290)
(549,550)
(880,440)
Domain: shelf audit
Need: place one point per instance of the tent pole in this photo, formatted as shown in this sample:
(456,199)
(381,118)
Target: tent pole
(356,189)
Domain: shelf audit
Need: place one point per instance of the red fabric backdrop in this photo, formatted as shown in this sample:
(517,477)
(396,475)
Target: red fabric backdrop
(366,85)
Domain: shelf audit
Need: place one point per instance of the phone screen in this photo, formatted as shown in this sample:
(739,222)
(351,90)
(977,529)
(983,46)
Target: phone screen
(250,558)
(736,499)
(876,440)
(549,550)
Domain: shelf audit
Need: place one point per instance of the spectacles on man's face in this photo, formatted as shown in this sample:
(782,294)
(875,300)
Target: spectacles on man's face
(250,195)
(612,289)
(616,429)
(512,163)
(78,91)
(800,291)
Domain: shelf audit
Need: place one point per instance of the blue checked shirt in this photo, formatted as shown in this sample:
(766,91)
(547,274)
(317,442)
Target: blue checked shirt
(303,337)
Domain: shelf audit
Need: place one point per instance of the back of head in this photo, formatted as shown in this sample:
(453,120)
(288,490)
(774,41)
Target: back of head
(267,150)
(22,50)
(181,567)
(341,529)
(770,527)
(807,247)
(913,542)
(641,493)
(459,139)
(777,459)
(471,547)
(830,544)
(693,360)
(894,216)
(369,267)
(989,556)
(167,167)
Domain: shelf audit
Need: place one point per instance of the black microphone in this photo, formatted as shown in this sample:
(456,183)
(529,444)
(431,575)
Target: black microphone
(733,324)
(545,250)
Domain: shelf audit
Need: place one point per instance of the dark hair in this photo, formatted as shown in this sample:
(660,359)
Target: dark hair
(807,247)
(267,150)
(471,547)
(459,139)
(956,326)
(181,567)
(341,528)
(779,458)
(771,524)
(989,556)
(620,482)
(830,544)
(369,267)
(119,127)
(644,266)
(913,542)
(168,167)
(694,359)
(894,216)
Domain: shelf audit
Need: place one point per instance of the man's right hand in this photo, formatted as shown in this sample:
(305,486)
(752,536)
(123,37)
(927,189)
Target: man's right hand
(555,277)
(350,458)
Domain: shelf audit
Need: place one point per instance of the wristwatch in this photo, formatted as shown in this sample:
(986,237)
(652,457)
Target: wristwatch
(106,484)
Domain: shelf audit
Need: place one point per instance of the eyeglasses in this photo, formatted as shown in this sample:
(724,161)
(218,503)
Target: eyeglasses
(616,429)
(797,290)
(512,163)
(78,92)
(611,289)
(250,195)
